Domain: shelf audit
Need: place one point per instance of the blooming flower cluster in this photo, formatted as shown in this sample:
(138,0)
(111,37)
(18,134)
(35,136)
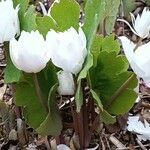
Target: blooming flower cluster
(31,52)
(138,54)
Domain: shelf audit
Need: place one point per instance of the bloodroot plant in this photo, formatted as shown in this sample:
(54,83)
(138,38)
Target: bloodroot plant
(55,58)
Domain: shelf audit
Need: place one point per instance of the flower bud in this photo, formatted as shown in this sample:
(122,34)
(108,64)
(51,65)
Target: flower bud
(66,83)
(29,53)
(9,25)
(68,49)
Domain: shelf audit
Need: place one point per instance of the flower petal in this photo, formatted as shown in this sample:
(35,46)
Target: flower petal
(132,29)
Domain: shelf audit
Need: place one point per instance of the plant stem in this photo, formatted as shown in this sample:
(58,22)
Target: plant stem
(38,91)
(83,123)
(73,116)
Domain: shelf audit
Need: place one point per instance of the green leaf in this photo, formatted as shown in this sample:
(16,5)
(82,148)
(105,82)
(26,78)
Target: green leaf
(28,21)
(101,44)
(23,5)
(148,2)
(108,76)
(93,13)
(124,98)
(66,14)
(97,99)
(128,6)
(48,78)
(26,95)
(110,14)
(107,118)
(88,64)
(12,74)
(27,15)
(113,44)
(52,125)
(79,97)
(44,24)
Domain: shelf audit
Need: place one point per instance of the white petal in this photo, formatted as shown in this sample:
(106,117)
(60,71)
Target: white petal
(45,13)
(62,147)
(142,59)
(133,19)
(66,83)
(128,47)
(14,49)
(132,29)
(141,129)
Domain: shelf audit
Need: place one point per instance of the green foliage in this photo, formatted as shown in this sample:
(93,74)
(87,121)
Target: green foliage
(44,24)
(26,96)
(128,6)
(37,114)
(97,99)
(27,15)
(66,14)
(107,118)
(88,64)
(12,74)
(110,14)
(28,22)
(52,124)
(148,2)
(101,44)
(124,98)
(108,77)
(23,5)
(93,14)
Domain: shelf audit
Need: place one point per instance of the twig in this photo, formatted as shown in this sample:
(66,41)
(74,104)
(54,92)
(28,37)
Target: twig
(140,144)
(116,142)
(129,147)
(102,143)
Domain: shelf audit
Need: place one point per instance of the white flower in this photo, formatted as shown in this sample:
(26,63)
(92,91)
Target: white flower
(62,147)
(141,25)
(29,53)
(138,59)
(66,83)
(68,49)
(9,21)
(141,129)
